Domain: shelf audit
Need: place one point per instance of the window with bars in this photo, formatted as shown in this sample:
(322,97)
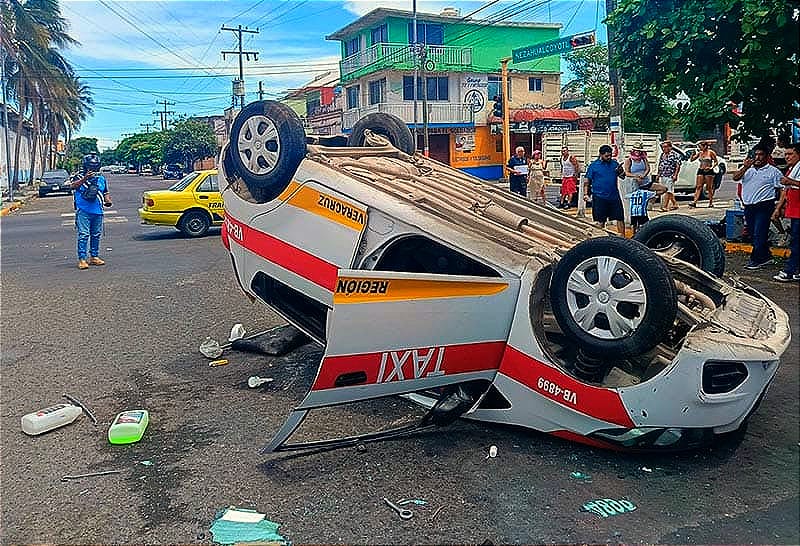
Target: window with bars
(380,34)
(427,33)
(436,88)
(353,94)
(534,84)
(352,46)
(377,91)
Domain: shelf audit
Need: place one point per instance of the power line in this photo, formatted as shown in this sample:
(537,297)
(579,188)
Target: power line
(240,53)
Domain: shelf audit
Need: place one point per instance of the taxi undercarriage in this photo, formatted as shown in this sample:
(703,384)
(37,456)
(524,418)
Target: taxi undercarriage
(422,281)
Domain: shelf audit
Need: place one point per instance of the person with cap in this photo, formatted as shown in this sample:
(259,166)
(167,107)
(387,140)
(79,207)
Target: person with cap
(637,169)
(91,194)
(669,165)
(536,177)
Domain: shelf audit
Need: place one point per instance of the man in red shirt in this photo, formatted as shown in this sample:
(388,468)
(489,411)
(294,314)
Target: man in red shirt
(790,194)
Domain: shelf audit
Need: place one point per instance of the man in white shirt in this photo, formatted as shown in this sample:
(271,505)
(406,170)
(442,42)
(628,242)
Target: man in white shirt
(759,181)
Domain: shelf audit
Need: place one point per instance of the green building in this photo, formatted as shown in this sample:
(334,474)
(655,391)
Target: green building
(461,66)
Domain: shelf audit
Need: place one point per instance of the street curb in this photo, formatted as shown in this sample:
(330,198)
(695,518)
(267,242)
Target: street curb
(777,251)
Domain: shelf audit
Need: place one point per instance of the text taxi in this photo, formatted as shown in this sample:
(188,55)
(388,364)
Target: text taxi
(191,205)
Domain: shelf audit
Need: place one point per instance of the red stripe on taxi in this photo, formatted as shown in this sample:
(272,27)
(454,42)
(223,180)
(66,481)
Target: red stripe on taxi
(417,363)
(281,253)
(603,404)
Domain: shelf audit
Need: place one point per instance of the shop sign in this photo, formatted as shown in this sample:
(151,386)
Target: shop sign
(541,126)
(474,91)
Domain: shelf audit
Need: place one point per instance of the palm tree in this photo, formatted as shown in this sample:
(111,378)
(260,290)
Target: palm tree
(31,33)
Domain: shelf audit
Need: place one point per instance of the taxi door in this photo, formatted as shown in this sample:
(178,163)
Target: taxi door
(393,333)
(207,195)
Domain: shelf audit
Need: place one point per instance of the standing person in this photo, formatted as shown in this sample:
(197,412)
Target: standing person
(637,169)
(637,201)
(790,196)
(601,177)
(89,190)
(669,165)
(570,172)
(517,168)
(538,167)
(705,173)
(759,180)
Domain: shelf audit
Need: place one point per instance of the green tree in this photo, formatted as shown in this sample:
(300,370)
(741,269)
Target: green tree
(142,149)
(589,65)
(718,52)
(188,140)
(110,157)
(76,149)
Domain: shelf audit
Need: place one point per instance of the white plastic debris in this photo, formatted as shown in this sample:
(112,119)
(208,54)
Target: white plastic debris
(492,452)
(255,381)
(210,348)
(237,332)
(644,468)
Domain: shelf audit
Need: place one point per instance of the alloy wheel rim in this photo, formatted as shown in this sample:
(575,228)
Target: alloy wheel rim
(258,144)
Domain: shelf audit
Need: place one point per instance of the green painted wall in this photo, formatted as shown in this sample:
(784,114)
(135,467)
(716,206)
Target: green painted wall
(489,45)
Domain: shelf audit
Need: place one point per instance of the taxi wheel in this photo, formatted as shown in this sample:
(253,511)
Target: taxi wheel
(266,146)
(194,223)
(386,125)
(613,296)
(685,238)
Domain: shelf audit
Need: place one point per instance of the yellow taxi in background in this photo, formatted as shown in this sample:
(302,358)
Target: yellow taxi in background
(192,205)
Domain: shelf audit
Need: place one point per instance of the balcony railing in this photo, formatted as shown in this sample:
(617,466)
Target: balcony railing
(438,112)
(401,57)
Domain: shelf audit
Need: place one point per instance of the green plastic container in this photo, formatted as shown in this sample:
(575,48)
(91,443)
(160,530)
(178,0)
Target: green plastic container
(128,427)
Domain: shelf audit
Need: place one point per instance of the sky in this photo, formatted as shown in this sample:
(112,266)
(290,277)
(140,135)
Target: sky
(137,54)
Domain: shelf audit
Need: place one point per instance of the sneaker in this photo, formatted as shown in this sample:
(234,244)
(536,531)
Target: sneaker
(693,205)
(82,264)
(783,276)
(757,265)
(94,260)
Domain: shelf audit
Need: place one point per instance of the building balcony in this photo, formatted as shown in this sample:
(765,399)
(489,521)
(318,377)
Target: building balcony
(401,57)
(438,112)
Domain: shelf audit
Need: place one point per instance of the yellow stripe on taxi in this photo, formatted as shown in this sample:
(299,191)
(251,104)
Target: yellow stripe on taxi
(371,290)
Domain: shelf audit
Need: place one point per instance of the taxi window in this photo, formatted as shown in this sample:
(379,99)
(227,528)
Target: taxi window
(209,184)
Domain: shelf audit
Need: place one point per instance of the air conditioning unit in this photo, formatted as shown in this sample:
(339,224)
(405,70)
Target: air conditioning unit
(450,12)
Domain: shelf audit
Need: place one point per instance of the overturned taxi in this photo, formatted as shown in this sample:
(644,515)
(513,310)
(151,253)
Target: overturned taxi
(420,280)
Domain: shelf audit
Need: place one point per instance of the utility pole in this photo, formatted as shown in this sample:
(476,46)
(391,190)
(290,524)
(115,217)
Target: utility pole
(615,91)
(506,125)
(246,54)
(423,54)
(163,114)
(415,53)
(5,124)
(147,126)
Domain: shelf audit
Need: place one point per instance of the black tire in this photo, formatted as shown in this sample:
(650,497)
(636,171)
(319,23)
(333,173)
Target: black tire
(701,246)
(42,193)
(387,125)
(194,223)
(266,146)
(641,317)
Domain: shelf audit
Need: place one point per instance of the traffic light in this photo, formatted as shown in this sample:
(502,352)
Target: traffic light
(582,41)
(497,108)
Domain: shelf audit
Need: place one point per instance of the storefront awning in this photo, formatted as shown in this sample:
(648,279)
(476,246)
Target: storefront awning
(544,113)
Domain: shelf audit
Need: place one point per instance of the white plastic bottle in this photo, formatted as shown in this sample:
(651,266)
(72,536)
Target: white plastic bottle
(49,418)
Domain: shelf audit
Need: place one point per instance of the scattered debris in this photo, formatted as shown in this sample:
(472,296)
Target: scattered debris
(404,513)
(160,297)
(418,502)
(237,332)
(147,463)
(492,452)
(433,517)
(284,339)
(577,475)
(608,507)
(128,427)
(210,348)
(255,381)
(109,249)
(647,469)
(237,525)
(81,405)
(69,477)
(50,418)
(220,362)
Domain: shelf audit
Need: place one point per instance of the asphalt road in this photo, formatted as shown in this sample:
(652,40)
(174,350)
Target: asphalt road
(125,336)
